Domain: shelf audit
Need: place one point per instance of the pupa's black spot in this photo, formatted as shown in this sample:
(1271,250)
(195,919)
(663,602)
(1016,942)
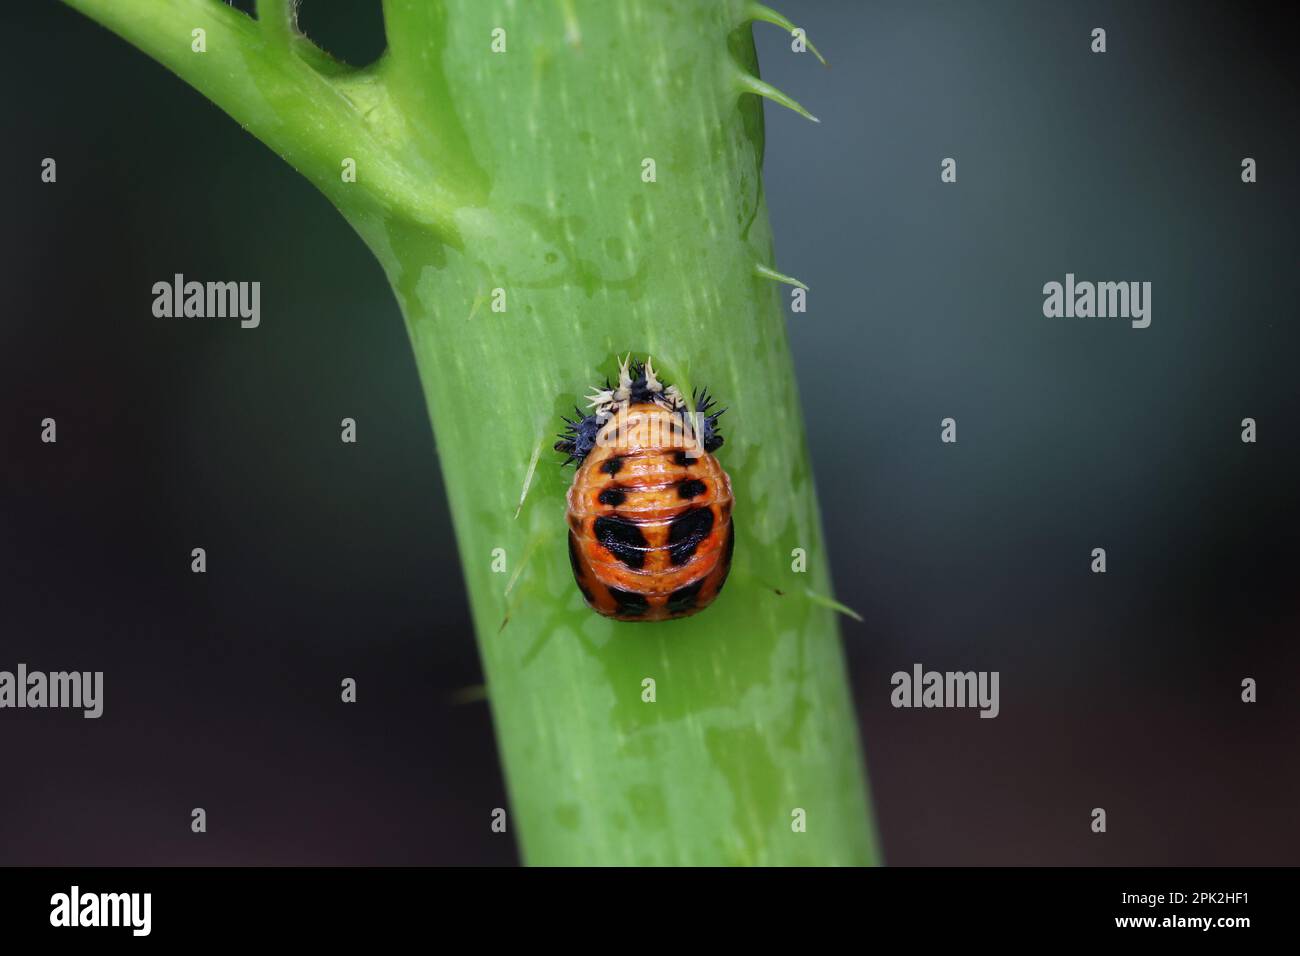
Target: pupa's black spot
(691,488)
(630,604)
(576,564)
(612,496)
(611,466)
(681,459)
(686,533)
(727,551)
(622,539)
(683,599)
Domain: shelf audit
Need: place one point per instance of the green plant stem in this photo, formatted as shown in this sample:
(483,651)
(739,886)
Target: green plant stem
(312,116)
(527,190)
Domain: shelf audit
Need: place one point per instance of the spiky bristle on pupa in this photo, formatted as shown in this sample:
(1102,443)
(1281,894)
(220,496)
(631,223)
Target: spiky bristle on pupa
(638,383)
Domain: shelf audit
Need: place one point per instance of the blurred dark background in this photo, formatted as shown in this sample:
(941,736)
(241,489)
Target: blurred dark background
(327,561)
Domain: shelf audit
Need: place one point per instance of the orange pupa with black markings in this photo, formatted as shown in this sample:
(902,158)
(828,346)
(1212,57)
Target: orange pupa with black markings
(649,511)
